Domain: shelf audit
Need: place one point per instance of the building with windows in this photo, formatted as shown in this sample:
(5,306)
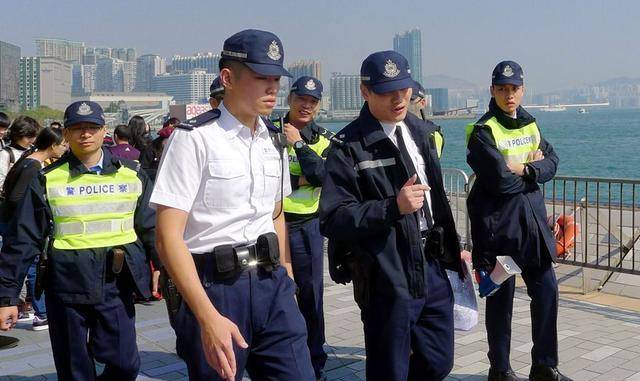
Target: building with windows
(409,44)
(345,92)
(149,65)
(185,88)
(62,49)
(45,81)
(9,78)
(305,68)
(200,61)
(439,99)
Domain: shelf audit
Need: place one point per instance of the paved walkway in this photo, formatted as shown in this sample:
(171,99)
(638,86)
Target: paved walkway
(596,343)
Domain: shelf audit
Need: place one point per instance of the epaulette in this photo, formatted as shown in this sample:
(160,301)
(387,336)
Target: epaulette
(199,120)
(330,136)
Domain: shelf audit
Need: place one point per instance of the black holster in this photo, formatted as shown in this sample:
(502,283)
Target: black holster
(41,275)
(170,295)
(434,243)
(361,270)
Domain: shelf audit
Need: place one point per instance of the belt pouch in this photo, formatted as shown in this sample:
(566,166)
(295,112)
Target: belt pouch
(268,250)
(225,259)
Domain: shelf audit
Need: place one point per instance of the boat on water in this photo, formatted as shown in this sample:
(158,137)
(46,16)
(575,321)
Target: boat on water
(582,110)
(553,108)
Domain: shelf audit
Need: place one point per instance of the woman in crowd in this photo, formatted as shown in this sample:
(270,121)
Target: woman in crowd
(22,133)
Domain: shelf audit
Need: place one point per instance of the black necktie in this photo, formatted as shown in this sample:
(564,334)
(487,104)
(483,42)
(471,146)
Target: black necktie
(408,163)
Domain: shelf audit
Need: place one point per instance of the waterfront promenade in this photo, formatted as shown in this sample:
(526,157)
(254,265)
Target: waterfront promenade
(597,342)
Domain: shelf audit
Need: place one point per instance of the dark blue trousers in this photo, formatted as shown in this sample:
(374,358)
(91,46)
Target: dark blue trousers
(262,304)
(542,288)
(307,253)
(110,328)
(411,339)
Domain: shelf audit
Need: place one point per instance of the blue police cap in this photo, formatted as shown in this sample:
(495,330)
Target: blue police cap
(386,71)
(83,112)
(261,51)
(306,85)
(507,73)
(216,88)
(418,91)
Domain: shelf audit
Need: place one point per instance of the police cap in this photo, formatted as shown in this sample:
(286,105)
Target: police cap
(386,71)
(261,51)
(306,85)
(507,73)
(418,91)
(216,88)
(83,112)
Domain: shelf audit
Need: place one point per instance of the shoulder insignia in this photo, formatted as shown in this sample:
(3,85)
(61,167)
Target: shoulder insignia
(199,120)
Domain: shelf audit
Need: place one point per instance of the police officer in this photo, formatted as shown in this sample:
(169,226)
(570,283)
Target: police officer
(216,93)
(508,217)
(308,145)
(417,107)
(383,193)
(87,213)
(222,232)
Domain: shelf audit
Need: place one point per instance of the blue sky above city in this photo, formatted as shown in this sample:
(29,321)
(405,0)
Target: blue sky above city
(560,44)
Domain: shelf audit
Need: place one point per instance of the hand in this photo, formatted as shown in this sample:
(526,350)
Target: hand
(516,168)
(292,133)
(536,155)
(8,317)
(411,196)
(218,335)
(302,181)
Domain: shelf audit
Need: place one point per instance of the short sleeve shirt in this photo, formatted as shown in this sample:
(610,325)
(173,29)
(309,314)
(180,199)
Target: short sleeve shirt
(227,179)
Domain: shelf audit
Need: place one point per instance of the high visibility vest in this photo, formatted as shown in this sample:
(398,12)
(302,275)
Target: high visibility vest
(439,140)
(90,210)
(305,199)
(514,145)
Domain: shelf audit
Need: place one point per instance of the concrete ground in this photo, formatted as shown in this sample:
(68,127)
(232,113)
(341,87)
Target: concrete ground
(599,338)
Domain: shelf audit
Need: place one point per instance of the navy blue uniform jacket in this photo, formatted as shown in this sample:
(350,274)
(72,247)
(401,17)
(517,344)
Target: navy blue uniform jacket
(76,276)
(358,204)
(507,212)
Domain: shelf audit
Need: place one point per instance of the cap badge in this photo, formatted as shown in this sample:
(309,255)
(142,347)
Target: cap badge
(84,109)
(310,85)
(391,69)
(274,51)
(508,71)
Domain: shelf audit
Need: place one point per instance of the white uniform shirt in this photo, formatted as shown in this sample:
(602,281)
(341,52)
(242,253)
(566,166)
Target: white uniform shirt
(416,158)
(225,178)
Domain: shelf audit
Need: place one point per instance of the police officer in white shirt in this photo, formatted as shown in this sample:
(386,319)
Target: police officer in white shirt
(221,231)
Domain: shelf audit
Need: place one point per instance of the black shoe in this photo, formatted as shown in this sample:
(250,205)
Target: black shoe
(502,375)
(545,373)
(7,342)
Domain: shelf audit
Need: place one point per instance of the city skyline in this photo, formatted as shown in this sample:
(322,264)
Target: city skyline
(559,44)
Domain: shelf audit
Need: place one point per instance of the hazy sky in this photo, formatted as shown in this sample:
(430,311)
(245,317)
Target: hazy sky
(559,43)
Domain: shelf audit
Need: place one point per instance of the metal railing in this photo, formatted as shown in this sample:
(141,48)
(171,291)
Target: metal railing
(605,210)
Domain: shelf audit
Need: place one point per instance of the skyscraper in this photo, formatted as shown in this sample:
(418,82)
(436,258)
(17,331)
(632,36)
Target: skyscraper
(191,87)
(62,49)
(200,61)
(149,65)
(309,68)
(345,92)
(9,80)
(409,44)
(45,81)
(440,99)
(116,75)
(124,54)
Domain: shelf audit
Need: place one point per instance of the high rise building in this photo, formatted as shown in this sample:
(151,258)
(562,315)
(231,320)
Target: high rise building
(305,68)
(116,75)
(190,87)
(83,80)
(9,79)
(200,61)
(409,44)
(45,81)
(439,99)
(124,54)
(345,92)
(64,50)
(149,65)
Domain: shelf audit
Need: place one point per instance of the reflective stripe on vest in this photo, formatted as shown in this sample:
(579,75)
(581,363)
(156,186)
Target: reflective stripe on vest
(92,211)
(514,145)
(305,199)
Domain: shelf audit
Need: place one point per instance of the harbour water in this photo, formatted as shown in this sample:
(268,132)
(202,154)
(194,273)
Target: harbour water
(600,143)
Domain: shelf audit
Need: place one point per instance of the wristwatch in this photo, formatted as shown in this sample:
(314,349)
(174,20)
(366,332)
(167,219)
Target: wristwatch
(299,144)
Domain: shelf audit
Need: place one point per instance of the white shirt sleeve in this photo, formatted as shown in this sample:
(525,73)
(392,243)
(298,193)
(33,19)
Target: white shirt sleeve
(180,171)
(4,165)
(286,180)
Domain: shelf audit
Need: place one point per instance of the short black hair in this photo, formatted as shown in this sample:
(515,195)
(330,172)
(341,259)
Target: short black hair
(5,122)
(122,132)
(55,125)
(23,126)
(226,63)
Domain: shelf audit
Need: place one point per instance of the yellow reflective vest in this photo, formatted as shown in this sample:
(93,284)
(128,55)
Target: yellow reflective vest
(514,144)
(91,210)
